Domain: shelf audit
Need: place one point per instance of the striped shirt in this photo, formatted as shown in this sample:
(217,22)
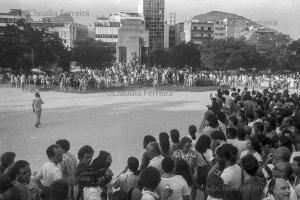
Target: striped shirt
(127,181)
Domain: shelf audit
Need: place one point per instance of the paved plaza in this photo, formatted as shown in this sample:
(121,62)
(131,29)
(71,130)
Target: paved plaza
(111,121)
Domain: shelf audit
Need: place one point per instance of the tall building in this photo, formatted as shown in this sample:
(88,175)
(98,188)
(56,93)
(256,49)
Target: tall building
(179,33)
(154,13)
(166,35)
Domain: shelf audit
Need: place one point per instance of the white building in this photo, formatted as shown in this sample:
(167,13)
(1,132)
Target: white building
(133,38)
(106,30)
(219,29)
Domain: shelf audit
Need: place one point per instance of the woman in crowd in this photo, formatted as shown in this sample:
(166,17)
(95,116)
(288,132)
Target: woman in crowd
(253,147)
(145,158)
(192,134)
(127,181)
(104,175)
(186,153)
(175,136)
(204,161)
(164,144)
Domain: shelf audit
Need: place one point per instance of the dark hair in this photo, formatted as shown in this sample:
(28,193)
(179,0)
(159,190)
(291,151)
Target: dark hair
(296,120)
(5,183)
(250,164)
(20,164)
(212,120)
(249,115)
(37,95)
(234,120)
(59,190)
(203,144)
(241,133)
(150,178)
(272,122)
(50,150)
(7,159)
(64,144)
(148,139)
(286,142)
(227,152)
(182,168)
(183,141)
(218,135)
(222,117)
(231,133)
(255,144)
(85,150)
(175,135)
(260,126)
(164,142)
(297,159)
(215,186)
(192,131)
(133,165)
(167,164)
(259,113)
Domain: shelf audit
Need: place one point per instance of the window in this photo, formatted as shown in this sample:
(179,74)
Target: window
(209,28)
(202,28)
(195,27)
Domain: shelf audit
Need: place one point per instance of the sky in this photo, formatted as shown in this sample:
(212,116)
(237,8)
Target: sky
(282,15)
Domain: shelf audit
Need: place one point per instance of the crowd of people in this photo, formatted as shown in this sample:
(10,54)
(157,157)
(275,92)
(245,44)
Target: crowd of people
(119,75)
(246,148)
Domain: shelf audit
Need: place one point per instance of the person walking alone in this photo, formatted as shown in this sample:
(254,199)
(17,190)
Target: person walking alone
(37,108)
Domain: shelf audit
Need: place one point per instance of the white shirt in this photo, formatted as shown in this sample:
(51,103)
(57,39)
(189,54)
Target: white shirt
(294,155)
(156,162)
(49,173)
(209,156)
(177,184)
(232,176)
(241,145)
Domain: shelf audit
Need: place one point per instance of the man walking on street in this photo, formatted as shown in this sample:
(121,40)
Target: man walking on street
(37,108)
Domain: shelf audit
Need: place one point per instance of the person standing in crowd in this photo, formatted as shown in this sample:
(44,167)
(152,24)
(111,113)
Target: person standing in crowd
(68,164)
(175,137)
(252,187)
(127,181)
(254,148)
(210,124)
(205,160)
(85,156)
(23,182)
(59,190)
(192,135)
(186,153)
(215,187)
(155,155)
(103,190)
(164,144)
(171,186)
(50,172)
(37,108)
(278,189)
(150,178)
(146,159)
(7,160)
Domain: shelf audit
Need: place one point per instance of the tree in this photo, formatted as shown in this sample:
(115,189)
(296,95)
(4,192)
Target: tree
(23,46)
(94,54)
